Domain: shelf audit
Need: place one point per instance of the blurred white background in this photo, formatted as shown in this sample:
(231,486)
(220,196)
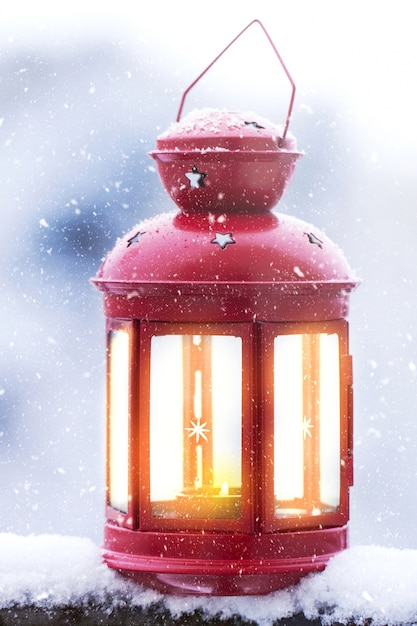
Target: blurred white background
(85,89)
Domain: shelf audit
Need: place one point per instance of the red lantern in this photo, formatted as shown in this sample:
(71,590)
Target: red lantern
(229,375)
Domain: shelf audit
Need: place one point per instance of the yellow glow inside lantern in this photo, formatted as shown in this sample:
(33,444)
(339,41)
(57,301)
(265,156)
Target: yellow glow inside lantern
(196,426)
(196,419)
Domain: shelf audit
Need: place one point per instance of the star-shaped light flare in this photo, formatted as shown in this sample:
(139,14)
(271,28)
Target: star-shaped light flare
(198,430)
(306,428)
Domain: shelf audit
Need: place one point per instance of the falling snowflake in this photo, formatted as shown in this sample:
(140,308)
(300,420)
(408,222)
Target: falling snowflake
(198,430)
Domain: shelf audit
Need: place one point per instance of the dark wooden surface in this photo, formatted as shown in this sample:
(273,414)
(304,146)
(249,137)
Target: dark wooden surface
(128,616)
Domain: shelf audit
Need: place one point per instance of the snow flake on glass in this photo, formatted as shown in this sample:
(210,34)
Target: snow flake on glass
(196,178)
(135,238)
(198,430)
(223,239)
(313,239)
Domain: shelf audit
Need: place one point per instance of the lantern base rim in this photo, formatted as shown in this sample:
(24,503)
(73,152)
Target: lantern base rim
(230,572)
(261,581)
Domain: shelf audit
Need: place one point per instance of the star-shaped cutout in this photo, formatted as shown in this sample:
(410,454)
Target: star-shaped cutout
(196,178)
(198,430)
(255,125)
(313,239)
(223,239)
(134,239)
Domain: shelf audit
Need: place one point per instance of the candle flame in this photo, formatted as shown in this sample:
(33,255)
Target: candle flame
(224,490)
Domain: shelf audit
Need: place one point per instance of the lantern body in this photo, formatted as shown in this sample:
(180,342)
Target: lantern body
(229,375)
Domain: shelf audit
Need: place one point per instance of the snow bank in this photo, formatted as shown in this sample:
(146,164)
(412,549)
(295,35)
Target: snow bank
(360,583)
(54,570)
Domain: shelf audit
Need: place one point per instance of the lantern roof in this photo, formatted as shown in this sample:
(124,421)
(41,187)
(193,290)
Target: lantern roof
(226,171)
(223,248)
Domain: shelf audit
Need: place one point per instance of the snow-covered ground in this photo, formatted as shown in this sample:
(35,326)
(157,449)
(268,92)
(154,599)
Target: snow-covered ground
(363,582)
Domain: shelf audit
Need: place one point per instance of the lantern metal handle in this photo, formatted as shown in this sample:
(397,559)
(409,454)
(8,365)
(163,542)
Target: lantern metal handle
(287,121)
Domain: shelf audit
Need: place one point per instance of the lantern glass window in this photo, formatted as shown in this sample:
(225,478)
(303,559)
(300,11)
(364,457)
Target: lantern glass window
(307,411)
(118,419)
(196,426)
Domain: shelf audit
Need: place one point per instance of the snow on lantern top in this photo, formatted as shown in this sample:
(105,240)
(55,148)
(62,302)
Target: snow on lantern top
(216,160)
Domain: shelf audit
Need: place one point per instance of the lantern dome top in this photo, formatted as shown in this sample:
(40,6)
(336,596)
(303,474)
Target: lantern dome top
(272,265)
(174,248)
(221,130)
(225,160)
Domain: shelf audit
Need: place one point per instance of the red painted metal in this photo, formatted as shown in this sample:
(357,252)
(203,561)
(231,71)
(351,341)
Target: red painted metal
(220,563)
(244,162)
(226,264)
(272,272)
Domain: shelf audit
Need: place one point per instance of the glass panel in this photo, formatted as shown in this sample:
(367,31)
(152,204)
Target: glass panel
(288,418)
(118,419)
(196,426)
(306,424)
